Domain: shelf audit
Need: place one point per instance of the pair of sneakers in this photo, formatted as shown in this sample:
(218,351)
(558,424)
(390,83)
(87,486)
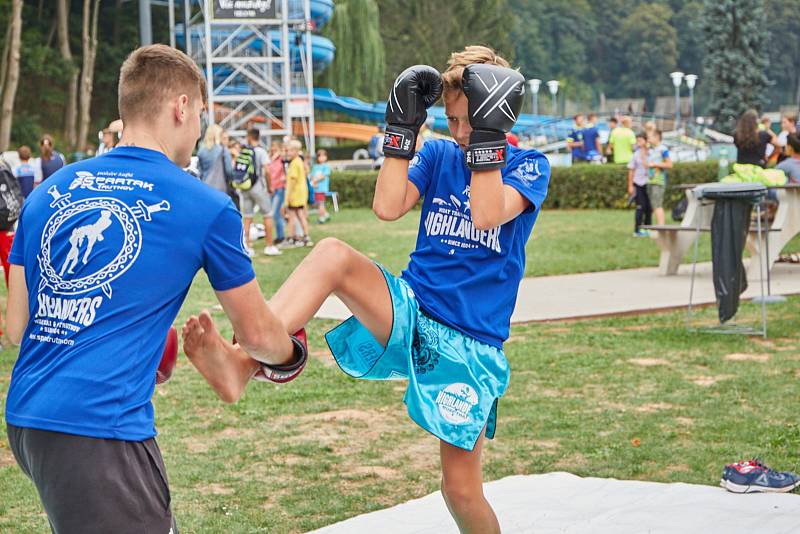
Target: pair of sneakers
(753,476)
(270,250)
(641,233)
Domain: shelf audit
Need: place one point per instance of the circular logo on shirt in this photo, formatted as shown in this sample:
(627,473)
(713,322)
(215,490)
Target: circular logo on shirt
(88,243)
(455,403)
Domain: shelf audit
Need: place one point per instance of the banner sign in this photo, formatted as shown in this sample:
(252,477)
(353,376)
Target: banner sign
(243,10)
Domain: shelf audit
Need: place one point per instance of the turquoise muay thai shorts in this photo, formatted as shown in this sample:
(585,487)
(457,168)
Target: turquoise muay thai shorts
(454,380)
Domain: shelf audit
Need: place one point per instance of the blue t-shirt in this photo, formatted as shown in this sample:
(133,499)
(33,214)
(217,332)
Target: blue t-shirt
(324,185)
(464,277)
(590,135)
(110,246)
(576,135)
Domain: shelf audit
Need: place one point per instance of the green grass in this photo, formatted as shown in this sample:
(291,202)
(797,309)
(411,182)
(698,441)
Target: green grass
(583,395)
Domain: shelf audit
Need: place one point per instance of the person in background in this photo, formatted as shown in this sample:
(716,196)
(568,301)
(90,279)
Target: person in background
(613,124)
(658,161)
(321,182)
(791,164)
(276,171)
(107,142)
(214,159)
(751,141)
(638,176)
(765,125)
(50,160)
(592,148)
(788,126)
(297,195)
(622,141)
(258,195)
(575,139)
(25,171)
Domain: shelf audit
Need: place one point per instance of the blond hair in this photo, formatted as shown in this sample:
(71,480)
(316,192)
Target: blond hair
(295,144)
(452,77)
(213,135)
(153,74)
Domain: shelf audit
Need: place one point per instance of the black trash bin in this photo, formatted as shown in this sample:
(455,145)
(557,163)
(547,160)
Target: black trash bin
(730,223)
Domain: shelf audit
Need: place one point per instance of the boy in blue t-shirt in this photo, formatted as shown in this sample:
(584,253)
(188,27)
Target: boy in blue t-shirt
(25,172)
(103,258)
(320,177)
(441,324)
(575,140)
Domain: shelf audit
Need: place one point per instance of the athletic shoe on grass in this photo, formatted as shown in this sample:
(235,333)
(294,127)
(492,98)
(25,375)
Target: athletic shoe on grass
(752,476)
(272,250)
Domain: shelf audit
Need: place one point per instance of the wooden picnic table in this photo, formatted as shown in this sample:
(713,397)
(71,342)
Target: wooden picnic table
(675,240)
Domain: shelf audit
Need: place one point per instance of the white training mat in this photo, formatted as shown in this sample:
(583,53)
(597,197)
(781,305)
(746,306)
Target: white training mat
(567,504)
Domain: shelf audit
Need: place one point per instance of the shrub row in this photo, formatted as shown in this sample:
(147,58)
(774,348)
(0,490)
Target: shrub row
(576,187)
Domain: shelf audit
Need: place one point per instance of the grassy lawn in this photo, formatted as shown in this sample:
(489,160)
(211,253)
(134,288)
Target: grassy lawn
(633,397)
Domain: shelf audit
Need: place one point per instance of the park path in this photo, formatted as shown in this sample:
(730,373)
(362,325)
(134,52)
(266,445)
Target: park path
(629,291)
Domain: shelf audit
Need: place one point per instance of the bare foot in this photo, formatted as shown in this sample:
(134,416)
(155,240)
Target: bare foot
(226,367)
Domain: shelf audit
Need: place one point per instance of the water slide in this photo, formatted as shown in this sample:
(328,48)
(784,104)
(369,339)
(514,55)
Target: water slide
(322,48)
(374,114)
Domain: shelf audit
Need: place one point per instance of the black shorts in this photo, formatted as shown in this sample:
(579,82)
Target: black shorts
(93,486)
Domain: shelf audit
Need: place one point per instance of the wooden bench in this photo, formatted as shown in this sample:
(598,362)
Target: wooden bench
(675,240)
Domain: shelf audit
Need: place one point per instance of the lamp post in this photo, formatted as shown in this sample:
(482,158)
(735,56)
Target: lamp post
(677,78)
(691,81)
(552,86)
(534,85)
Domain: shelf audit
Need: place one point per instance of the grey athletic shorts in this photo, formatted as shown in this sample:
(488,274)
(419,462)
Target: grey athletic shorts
(96,486)
(256,196)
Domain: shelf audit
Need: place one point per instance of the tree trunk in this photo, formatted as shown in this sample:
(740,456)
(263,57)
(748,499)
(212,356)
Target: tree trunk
(12,75)
(71,107)
(89,40)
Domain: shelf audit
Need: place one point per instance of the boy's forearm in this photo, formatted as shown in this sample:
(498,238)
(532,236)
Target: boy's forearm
(390,188)
(486,199)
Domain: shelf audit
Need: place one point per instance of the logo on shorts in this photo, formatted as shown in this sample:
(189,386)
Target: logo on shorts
(455,403)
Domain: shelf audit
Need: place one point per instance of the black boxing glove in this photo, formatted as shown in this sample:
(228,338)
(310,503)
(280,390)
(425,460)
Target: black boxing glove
(494,96)
(413,92)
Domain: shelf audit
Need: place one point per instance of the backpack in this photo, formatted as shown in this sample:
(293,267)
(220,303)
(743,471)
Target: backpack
(244,169)
(11,198)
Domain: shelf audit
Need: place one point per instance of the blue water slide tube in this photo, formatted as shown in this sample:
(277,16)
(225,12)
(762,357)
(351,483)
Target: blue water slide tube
(374,113)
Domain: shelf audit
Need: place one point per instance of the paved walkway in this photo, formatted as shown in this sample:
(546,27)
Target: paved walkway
(572,296)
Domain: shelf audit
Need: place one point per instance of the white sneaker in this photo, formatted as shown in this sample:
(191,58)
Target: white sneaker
(250,252)
(272,250)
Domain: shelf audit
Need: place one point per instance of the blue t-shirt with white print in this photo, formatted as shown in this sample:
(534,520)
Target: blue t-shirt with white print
(464,277)
(110,246)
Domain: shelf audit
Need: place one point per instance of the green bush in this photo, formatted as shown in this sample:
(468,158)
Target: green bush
(577,187)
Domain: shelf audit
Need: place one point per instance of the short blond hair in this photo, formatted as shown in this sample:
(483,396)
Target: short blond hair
(452,77)
(213,135)
(152,74)
(295,144)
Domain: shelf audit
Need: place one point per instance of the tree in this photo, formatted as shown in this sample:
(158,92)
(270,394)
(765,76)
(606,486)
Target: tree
(358,68)
(421,31)
(784,43)
(71,107)
(9,77)
(736,58)
(648,50)
(91,9)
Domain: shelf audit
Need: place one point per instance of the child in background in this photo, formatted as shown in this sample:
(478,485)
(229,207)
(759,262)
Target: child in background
(638,176)
(658,162)
(321,181)
(297,194)
(24,171)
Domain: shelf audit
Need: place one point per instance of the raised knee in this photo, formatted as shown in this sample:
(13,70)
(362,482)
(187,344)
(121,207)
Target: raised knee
(334,252)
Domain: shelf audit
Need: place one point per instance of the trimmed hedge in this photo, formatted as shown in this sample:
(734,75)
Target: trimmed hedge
(576,187)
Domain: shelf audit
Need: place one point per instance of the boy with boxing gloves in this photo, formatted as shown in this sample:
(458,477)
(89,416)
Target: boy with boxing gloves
(441,324)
